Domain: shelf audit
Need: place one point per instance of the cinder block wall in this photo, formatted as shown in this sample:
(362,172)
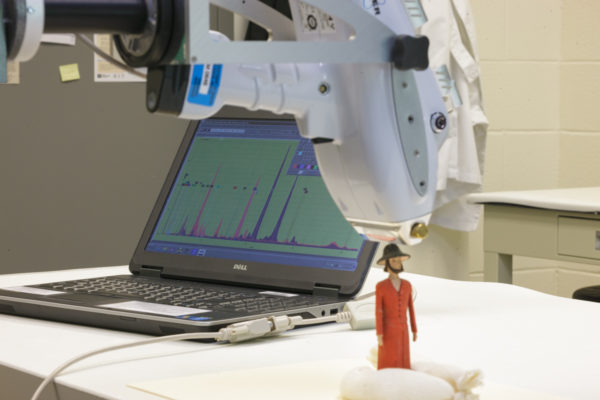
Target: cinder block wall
(541,79)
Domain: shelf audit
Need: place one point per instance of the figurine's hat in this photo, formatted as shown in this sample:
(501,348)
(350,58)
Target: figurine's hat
(391,251)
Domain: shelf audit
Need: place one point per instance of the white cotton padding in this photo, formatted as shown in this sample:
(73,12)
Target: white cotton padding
(461,380)
(358,383)
(364,383)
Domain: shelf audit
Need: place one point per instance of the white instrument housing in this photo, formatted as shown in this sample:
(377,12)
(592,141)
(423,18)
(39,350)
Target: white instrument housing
(373,125)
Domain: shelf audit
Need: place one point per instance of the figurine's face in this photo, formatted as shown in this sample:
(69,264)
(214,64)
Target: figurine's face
(396,262)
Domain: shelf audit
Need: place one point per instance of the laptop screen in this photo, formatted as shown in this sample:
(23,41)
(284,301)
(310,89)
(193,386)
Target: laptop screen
(251,190)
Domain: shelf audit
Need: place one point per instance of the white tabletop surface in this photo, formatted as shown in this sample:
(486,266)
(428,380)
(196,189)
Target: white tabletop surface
(584,199)
(518,337)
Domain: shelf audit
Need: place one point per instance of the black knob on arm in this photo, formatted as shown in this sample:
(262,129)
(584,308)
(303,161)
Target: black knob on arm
(410,52)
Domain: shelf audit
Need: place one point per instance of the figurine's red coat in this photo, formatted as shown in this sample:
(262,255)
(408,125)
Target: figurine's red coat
(390,313)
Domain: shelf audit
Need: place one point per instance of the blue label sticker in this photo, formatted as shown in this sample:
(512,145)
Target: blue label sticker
(206,80)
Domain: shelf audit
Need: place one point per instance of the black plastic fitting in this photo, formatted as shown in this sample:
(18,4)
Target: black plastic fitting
(411,52)
(95,16)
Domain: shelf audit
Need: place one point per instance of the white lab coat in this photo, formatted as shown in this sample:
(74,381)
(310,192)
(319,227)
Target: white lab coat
(451,31)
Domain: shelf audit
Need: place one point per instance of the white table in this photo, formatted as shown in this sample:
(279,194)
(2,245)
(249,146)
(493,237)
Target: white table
(518,337)
(556,224)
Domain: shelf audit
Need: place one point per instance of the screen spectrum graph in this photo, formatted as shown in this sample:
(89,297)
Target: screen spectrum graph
(247,193)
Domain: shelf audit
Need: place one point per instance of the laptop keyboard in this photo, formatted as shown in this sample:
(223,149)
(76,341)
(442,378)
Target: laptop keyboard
(186,294)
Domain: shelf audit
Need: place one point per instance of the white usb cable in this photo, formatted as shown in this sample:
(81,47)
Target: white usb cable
(356,313)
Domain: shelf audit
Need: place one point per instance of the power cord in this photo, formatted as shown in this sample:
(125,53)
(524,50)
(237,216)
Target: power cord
(233,333)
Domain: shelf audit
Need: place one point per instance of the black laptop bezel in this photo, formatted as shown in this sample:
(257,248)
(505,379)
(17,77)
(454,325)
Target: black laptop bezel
(281,277)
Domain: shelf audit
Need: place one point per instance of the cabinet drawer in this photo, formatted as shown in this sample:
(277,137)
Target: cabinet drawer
(579,237)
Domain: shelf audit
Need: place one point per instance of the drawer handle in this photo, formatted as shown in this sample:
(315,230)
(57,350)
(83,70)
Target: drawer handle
(597,240)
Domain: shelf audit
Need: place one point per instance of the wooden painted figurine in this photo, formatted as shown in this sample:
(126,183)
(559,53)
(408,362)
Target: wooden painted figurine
(392,298)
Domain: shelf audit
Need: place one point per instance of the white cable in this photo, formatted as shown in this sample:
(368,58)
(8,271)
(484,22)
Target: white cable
(237,332)
(339,318)
(171,338)
(108,57)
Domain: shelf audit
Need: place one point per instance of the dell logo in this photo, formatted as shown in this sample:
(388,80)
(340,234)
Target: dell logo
(240,267)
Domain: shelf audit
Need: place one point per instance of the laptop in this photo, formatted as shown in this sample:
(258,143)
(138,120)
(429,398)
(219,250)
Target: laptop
(243,228)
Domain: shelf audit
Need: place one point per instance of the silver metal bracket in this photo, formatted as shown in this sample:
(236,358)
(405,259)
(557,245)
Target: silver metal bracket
(415,11)
(448,86)
(371,42)
(411,128)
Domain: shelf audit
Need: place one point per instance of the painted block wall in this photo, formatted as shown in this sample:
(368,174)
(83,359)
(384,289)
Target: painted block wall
(541,78)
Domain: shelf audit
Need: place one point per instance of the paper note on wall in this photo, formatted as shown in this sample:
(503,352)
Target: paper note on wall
(13,72)
(69,72)
(104,71)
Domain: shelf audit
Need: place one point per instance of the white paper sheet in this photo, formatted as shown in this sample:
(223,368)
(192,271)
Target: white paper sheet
(319,380)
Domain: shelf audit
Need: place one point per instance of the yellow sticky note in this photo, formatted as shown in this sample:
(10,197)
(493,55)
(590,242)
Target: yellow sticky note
(69,72)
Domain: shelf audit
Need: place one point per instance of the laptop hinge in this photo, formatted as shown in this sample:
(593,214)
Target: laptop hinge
(326,290)
(153,272)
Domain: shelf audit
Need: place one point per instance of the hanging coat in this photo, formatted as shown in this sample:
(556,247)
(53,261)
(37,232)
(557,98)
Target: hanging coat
(451,32)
